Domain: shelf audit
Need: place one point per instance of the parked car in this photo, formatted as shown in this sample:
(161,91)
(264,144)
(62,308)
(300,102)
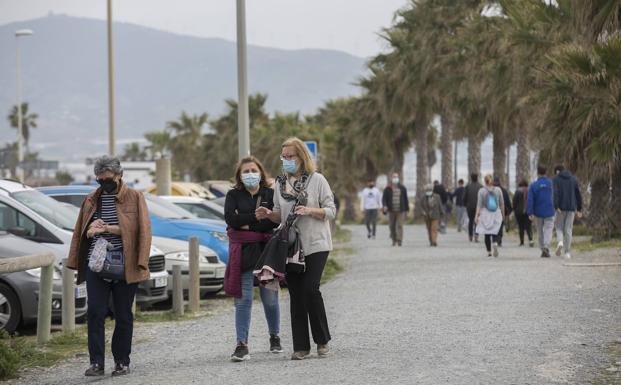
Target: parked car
(167,219)
(29,214)
(19,291)
(218,187)
(211,276)
(187,189)
(200,207)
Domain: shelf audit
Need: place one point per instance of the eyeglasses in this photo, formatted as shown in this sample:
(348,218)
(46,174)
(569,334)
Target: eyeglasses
(288,157)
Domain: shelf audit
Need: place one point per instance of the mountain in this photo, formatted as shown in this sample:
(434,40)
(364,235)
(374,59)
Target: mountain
(157,75)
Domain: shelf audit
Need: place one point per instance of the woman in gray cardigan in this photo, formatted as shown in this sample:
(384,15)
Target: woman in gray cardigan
(313,224)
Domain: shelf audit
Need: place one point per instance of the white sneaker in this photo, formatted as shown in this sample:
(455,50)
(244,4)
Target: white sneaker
(567,256)
(559,249)
(495,249)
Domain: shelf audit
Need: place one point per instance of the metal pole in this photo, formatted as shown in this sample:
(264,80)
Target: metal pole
(20,135)
(243,115)
(68,299)
(193,289)
(178,307)
(111,137)
(44,318)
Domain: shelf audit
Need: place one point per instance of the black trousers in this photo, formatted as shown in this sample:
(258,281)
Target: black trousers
(123,294)
(489,238)
(500,233)
(370,220)
(307,304)
(524,225)
(471,224)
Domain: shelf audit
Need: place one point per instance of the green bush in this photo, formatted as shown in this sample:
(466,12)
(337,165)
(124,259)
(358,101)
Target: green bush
(9,357)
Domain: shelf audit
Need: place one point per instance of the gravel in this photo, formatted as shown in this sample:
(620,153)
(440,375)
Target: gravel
(407,315)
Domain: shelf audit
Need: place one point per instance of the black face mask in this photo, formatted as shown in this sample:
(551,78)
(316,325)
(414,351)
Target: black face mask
(108,185)
(371,185)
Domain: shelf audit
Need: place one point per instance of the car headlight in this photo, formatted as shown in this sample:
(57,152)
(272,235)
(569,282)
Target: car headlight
(219,236)
(37,273)
(180,256)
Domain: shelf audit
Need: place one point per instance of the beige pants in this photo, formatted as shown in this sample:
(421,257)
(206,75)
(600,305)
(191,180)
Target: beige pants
(395,221)
(432,230)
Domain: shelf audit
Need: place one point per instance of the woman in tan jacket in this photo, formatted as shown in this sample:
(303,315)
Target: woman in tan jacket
(119,215)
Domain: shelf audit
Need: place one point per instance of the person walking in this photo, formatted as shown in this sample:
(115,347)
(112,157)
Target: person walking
(460,210)
(117,214)
(247,238)
(508,208)
(370,203)
(568,204)
(433,210)
(396,204)
(540,209)
(438,188)
(302,183)
(490,214)
(471,200)
(520,203)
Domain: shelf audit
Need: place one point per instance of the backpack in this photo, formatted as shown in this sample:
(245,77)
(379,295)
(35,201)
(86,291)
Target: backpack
(491,201)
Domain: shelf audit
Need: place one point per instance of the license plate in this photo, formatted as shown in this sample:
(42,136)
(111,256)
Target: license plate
(80,291)
(160,281)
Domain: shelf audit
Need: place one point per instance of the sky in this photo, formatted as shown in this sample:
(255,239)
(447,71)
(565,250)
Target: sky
(346,25)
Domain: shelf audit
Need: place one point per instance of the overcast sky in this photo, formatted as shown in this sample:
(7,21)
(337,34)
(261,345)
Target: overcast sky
(347,25)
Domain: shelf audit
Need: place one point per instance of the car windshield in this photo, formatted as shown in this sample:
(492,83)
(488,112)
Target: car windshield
(202,211)
(161,208)
(62,215)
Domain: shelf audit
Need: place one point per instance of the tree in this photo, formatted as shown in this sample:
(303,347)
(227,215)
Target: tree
(29,120)
(133,152)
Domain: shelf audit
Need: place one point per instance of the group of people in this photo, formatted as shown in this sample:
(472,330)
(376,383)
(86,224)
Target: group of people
(484,209)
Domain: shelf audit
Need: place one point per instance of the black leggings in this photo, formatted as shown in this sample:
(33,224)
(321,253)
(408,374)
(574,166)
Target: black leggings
(525,225)
(489,238)
(471,224)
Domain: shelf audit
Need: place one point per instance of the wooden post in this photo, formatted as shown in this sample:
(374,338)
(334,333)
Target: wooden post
(177,299)
(163,177)
(68,299)
(194,286)
(44,318)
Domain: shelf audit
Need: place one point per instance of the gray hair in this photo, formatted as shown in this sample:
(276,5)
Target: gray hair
(106,163)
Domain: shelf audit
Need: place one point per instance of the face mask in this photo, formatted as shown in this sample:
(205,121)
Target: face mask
(395,180)
(429,193)
(251,179)
(108,185)
(290,166)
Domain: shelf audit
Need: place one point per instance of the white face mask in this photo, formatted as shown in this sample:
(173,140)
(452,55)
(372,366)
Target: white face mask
(395,180)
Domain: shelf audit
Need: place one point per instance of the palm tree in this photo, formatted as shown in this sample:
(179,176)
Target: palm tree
(29,120)
(159,143)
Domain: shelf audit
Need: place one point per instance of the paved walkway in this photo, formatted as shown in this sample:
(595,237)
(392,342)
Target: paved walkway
(409,315)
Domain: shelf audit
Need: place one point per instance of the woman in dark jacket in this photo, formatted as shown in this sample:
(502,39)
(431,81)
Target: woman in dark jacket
(247,238)
(519,206)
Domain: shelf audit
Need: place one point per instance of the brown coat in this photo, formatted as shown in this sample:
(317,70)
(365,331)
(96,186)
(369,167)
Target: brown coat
(133,215)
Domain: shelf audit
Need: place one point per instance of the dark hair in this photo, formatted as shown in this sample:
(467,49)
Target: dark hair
(436,182)
(474,177)
(558,168)
(239,185)
(523,183)
(461,181)
(541,170)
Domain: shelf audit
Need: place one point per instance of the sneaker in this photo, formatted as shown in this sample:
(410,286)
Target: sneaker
(275,346)
(241,353)
(368,236)
(559,249)
(323,350)
(567,256)
(298,356)
(531,243)
(476,238)
(521,244)
(94,370)
(489,254)
(495,249)
(545,253)
(120,370)
(470,239)
(399,243)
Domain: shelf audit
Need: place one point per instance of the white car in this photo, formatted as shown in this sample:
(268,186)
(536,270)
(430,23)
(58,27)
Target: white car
(200,207)
(211,268)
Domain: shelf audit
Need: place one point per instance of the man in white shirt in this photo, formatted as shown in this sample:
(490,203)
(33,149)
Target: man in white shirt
(370,203)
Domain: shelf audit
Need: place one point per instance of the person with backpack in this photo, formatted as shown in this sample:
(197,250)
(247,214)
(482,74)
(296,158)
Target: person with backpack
(519,206)
(568,204)
(470,201)
(490,214)
(541,209)
(508,208)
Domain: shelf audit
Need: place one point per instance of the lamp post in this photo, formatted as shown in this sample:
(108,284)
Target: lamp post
(243,126)
(111,136)
(20,133)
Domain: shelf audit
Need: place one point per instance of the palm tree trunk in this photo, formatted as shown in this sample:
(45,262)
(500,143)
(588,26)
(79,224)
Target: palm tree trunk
(422,167)
(474,155)
(500,155)
(522,166)
(446,149)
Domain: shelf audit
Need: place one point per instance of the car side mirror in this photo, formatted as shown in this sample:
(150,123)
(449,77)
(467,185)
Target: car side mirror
(18,231)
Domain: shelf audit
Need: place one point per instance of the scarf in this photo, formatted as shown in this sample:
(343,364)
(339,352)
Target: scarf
(232,275)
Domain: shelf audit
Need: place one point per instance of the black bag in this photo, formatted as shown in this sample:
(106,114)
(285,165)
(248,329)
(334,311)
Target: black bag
(114,264)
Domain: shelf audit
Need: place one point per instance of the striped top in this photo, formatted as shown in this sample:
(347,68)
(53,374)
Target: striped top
(396,199)
(108,214)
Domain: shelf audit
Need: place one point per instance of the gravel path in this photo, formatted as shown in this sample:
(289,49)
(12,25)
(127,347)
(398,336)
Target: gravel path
(409,315)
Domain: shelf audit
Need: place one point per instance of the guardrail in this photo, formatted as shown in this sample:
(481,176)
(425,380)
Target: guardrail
(46,263)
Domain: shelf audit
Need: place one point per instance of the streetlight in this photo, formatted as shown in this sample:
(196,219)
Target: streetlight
(20,133)
(111,138)
(243,126)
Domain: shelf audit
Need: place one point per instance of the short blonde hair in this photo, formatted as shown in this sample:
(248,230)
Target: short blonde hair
(489,179)
(307,164)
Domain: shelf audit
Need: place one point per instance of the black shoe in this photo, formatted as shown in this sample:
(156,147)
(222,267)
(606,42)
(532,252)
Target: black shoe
(545,253)
(94,370)
(275,346)
(241,353)
(120,370)
(399,243)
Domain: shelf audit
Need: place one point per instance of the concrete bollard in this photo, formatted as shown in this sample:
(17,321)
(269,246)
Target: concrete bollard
(178,306)
(194,286)
(163,177)
(44,318)
(68,299)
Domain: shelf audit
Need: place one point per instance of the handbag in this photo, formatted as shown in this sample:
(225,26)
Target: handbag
(106,261)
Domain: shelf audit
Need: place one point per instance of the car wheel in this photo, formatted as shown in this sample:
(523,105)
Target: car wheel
(10,309)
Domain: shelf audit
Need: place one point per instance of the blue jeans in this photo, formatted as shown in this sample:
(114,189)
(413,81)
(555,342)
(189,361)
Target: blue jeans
(243,308)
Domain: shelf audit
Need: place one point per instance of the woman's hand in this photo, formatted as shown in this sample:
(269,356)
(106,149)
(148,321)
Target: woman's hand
(94,230)
(303,210)
(262,213)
